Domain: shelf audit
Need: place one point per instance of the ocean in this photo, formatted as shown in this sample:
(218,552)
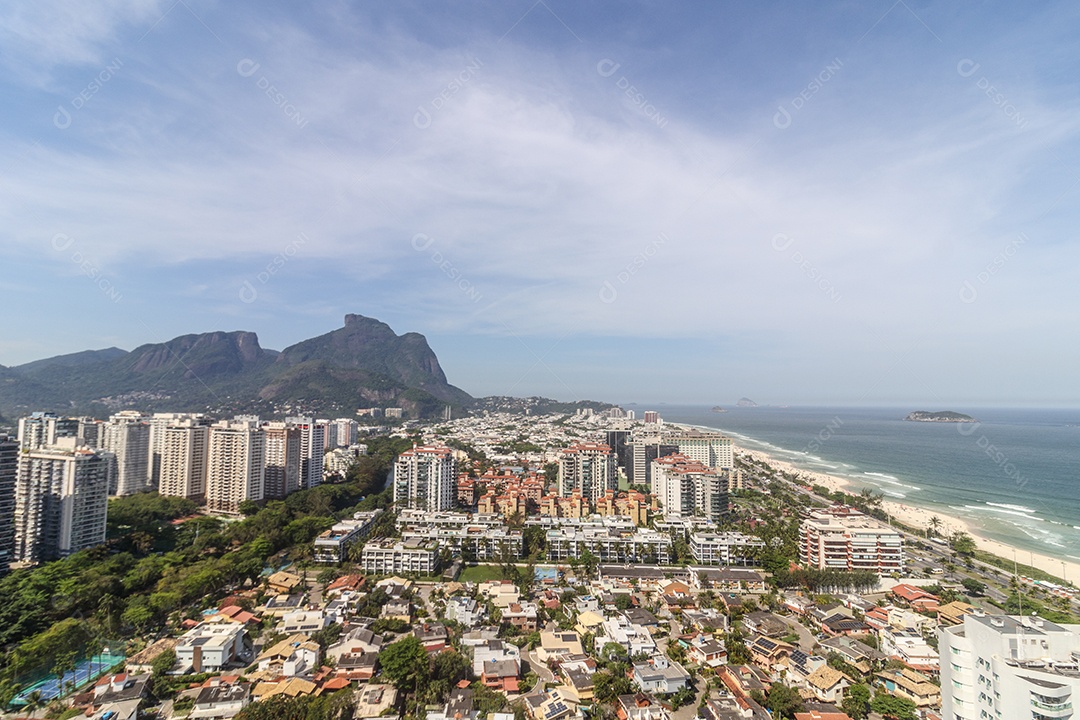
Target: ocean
(1014,475)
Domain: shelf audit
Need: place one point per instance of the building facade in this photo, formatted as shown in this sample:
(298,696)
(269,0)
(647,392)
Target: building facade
(61,501)
(1009,667)
(235,466)
(182,460)
(9,465)
(127,437)
(425,478)
(850,541)
(283,459)
(588,468)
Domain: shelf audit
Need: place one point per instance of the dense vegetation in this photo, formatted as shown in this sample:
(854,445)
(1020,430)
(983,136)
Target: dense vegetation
(151,572)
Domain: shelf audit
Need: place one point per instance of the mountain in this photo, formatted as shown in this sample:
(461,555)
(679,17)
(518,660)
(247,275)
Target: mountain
(364,364)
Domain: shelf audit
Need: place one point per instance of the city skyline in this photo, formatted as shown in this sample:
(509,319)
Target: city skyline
(829,205)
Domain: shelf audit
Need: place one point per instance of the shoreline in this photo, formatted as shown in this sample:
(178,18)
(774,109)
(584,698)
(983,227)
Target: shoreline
(919,517)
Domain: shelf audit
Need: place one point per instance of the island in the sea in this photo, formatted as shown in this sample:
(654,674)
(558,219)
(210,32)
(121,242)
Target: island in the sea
(945,416)
(718,409)
(746,402)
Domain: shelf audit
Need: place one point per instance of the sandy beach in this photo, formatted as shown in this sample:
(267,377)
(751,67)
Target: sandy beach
(918,517)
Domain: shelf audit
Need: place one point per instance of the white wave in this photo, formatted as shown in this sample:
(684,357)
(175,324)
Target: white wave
(1003,511)
(1007,506)
(893,493)
(1055,544)
(882,475)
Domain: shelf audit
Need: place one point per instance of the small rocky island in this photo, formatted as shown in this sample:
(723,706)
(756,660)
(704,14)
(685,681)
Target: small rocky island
(718,409)
(944,416)
(746,402)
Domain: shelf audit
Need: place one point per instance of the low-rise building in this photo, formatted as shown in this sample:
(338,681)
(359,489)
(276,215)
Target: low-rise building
(332,546)
(660,675)
(911,685)
(209,648)
(388,556)
(713,548)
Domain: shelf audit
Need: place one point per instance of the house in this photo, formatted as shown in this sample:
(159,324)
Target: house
(464,610)
(798,604)
(209,647)
(911,685)
(121,695)
(675,588)
(283,604)
(765,623)
(742,680)
(358,666)
(289,687)
(397,609)
(729,580)
(345,583)
(494,651)
(912,594)
(660,675)
(953,613)
(432,636)
(374,701)
(633,638)
(828,684)
(642,617)
(220,701)
(639,706)
(304,621)
(801,666)
(234,613)
(813,714)
(284,582)
(356,640)
(556,645)
(589,622)
(523,616)
(909,647)
(769,655)
(501,592)
(458,707)
(904,618)
(728,707)
(707,650)
(501,675)
(706,620)
(553,704)
(857,653)
(295,655)
(843,624)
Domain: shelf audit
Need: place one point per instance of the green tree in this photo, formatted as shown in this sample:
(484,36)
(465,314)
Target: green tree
(962,543)
(893,707)
(973,586)
(405,663)
(783,701)
(856,702)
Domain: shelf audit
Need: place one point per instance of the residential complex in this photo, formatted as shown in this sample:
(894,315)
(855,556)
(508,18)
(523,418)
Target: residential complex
(332,546)
(388,556)
(685,487)
(127,437)
(425,478)
(235,465)
(845,540)
(9,464)
(61,500)
(182,458)
(589,469)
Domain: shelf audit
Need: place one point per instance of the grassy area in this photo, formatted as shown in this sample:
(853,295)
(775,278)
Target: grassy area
(480,573)
(1007,565)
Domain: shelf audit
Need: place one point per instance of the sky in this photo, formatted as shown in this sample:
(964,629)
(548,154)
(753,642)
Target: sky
(836,203)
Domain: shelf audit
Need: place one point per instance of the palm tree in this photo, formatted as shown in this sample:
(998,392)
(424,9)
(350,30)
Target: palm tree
(934,526)
(34,702)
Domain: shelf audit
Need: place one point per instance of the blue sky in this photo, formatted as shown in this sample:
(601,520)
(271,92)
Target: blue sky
(832,203)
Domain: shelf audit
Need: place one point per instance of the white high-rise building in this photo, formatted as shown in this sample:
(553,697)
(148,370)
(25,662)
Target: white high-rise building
(312,449)
(45,429)
(588,468)
(425,478)
(236,465)
(1008,667)
(686,488)
(127,437)
(182,459)
(710,449)
(158,423)
(61,501)
(282,459)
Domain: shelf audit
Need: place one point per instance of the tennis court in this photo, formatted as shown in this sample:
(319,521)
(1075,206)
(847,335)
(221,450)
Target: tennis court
(85,671)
